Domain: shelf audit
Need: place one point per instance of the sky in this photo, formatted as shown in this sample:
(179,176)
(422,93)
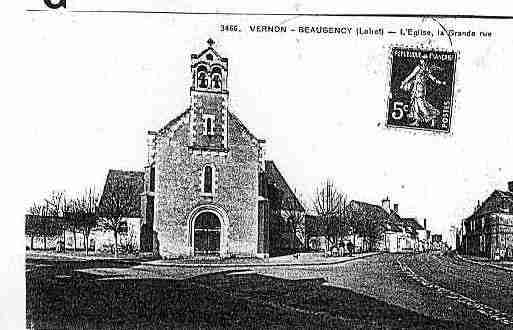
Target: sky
(98,82)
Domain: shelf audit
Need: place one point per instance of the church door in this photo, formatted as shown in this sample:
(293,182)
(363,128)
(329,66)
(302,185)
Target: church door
(207,234)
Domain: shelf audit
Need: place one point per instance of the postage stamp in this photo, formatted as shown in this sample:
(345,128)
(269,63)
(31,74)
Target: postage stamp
(421,88)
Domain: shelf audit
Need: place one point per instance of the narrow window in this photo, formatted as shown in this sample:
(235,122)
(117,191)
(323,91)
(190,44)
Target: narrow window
(152,178)
(216,78)
(209,126)
(202,79)
(207,180)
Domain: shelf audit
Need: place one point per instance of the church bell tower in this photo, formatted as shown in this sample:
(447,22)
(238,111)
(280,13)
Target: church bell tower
(209,101)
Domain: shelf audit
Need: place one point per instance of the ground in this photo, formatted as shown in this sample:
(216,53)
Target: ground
(375,292)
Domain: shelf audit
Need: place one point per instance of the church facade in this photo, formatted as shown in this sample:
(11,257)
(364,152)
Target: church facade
(205,186)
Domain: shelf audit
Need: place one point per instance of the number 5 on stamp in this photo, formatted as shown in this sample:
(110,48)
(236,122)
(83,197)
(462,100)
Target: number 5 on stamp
(421,88)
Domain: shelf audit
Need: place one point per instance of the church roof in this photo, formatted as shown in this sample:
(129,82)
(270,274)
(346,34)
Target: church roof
(173,121)
(231,116)
(122,192)
(236,119)
(274,177)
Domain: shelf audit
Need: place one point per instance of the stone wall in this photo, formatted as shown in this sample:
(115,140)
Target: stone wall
(178,189)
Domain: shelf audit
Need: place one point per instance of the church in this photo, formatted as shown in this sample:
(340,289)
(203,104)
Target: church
(208,189)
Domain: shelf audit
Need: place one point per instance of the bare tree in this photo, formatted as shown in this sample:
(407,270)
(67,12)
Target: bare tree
(43,219)
(328,203)
(88,204)
(120,200)
(55,207)
(72,219)
(32,223)
(294,214)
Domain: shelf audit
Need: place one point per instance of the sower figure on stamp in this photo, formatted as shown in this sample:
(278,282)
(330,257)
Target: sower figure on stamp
(416,84)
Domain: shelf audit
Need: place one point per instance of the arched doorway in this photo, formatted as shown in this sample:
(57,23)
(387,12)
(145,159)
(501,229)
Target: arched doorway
(207,234)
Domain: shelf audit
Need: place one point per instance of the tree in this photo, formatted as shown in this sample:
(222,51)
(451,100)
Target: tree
(328,204)
(88,218)
(120,199)
(294,214)
(71,219)
(43,219)
(32,223)
(368,222)
(55,209)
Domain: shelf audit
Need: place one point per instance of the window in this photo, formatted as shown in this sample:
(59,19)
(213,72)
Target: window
(202,80)
(123,227)
(152,178)
(216,78)
(207,180)
(209,125)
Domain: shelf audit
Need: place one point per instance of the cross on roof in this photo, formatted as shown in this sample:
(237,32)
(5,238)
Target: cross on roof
(210,42)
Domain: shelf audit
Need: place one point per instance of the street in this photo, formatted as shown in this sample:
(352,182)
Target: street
(384,291)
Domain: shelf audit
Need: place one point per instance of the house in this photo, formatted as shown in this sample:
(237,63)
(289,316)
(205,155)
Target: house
(286,214)
(375,227)
(208,189)
(122,191)
(398,234)
(488,232)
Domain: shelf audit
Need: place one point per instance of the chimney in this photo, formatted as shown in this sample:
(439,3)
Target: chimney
(396,207)
(425,224)
(510,186)
(385,204)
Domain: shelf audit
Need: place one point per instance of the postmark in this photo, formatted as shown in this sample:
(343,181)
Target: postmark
(421,88)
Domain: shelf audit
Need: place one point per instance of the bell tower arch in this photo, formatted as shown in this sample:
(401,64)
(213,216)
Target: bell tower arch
(209,100)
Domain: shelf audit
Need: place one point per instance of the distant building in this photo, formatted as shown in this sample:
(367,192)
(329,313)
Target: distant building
(61,237)
(394,233)
(401,234)
(488,232)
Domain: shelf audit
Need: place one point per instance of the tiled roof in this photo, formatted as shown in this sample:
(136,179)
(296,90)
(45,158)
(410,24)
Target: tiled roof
(231,116)
(412,222)
(236,119)
(275,178)
(173,121)
(497,202)
(375,209)
(124,188)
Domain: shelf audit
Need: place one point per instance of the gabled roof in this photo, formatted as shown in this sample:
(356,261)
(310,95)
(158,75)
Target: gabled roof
(413,223)
(123,188)
(173,121)
(371,208)
(231,116)
(498,202)
(211,50)
(274,177)
(409,224)
(236,119)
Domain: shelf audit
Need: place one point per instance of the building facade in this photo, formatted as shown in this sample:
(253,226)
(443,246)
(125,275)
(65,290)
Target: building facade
(488,232)
(206,186)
